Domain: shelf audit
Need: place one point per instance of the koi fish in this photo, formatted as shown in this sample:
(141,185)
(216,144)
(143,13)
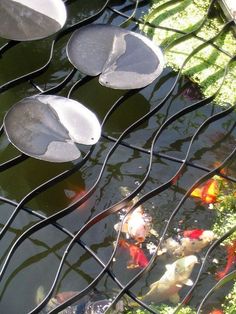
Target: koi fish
(190,242)
(138,258)
(224,171)
(176,275)
(216,311)
(73,194)
(207,192)
(57,300)
(89,307)
(136,225)
(231,259)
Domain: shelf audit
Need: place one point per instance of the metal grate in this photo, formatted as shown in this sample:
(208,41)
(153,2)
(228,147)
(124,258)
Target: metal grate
(160,164)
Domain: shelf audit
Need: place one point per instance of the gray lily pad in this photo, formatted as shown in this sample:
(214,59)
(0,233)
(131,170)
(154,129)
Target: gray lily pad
(123,59)
(47,127)
(25,20)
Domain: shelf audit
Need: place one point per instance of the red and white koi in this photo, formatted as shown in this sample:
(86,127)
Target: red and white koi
(189,242)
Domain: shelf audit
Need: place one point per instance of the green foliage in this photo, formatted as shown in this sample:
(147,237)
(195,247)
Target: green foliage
(226,209)
(163,309)
(205,67)
(229,305)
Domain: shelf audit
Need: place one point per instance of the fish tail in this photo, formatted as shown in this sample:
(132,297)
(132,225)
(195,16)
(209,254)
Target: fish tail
(124,244)
(231,259)
(40,295)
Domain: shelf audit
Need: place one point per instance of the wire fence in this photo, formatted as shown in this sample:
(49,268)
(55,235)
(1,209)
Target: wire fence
(128,14)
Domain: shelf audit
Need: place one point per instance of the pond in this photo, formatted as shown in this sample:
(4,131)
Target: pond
(143,160)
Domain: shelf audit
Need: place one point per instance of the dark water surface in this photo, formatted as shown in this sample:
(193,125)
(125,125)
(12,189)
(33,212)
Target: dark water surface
(36,260)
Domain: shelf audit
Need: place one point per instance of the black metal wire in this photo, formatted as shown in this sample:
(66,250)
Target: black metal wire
(152,154)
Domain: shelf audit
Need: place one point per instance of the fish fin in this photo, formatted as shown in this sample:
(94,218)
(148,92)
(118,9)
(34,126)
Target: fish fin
(117,226)
(40,294)
(132,265)
(161,251)
(154,233)
(154,285)
(188,282)
(174,298)
(70,193)
(197,192)
(169,267)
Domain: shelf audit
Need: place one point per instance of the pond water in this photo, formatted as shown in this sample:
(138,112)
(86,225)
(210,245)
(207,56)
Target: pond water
(35,262)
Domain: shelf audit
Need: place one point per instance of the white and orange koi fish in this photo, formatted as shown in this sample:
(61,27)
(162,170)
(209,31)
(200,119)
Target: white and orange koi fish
(167,287)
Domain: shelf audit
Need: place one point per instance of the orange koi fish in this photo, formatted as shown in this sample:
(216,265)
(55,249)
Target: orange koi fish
(207,192)
(216,311)
(231,259)
(57,300)
(74,194)
(138,258)
(224,171)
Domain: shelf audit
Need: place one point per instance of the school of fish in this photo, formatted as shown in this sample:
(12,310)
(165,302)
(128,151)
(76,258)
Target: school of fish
(137,228)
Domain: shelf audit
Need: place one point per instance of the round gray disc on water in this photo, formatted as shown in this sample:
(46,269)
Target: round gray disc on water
(124,59)
(25,20)
(47,127)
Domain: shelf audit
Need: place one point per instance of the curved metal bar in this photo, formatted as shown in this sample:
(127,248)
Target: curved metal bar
(71,235)
(75,238)
(169,157)
(116,207)
(211,248)
(139,21)
(61,176)
(42,69)
(12,162)
(107,212)
(167,184)
(230,277)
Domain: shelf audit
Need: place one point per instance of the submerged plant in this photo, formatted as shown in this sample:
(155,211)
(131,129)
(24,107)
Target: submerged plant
(229,305)
(163,309)
(225,208)
(206,67)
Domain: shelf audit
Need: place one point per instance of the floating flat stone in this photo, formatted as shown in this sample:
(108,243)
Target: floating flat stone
(24,20)
(48,127)
(121,58)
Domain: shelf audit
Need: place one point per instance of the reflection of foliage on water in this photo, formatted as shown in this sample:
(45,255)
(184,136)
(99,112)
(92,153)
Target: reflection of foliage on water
(226,209)
(207,66)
